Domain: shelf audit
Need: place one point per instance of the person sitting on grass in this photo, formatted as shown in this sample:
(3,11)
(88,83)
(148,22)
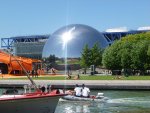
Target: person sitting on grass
(118,77)
(77,77)
(69,76)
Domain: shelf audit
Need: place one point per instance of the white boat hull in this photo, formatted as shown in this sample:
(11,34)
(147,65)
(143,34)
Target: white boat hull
(30,105)
(74,98)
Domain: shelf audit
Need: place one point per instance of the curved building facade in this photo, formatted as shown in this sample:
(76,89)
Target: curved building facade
(70,40)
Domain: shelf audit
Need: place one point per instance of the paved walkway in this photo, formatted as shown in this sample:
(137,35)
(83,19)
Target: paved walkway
(95,84)
(87,82)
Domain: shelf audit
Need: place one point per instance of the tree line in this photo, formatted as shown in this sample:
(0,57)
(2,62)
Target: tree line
(131,54)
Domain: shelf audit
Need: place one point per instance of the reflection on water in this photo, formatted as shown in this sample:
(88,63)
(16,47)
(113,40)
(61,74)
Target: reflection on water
(119,102)
(75,107)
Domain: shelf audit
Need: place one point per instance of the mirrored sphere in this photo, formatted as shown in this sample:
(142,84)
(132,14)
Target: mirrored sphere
(70,40)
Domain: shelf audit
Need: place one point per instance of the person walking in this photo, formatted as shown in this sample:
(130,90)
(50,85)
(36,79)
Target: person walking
(32,73)
(36,74)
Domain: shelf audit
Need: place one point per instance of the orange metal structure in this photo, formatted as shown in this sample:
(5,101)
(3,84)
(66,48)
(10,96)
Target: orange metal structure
(12,62)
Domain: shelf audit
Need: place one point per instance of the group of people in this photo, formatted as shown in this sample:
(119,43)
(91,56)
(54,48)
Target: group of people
(35,73)
(82,91)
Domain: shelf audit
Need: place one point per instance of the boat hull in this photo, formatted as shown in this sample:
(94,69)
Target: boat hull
(30,105)
(74,98)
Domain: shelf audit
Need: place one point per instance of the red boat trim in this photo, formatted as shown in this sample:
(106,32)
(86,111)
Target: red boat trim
(23,97)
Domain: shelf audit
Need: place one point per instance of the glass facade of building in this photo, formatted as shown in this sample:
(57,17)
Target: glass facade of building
(29,49)
(28,46)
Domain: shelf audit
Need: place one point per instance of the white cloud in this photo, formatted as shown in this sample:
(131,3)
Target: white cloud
(120,29)
(144,28)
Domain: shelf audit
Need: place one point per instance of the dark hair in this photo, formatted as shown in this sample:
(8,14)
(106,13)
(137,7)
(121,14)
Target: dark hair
(77,85)
(83,85)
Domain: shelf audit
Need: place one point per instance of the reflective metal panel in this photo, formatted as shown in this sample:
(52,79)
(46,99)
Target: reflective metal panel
(71,39)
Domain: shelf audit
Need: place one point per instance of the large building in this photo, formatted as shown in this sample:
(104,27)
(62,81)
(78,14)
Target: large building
(32,46)
(26,46)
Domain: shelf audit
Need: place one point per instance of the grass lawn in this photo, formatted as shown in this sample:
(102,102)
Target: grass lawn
(84,78)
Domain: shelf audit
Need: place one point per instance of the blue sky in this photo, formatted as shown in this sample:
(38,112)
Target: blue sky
(35,17)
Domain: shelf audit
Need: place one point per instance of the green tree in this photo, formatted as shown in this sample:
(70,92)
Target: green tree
(85,58)
(131,52)
(91,56)
(96,55)
(50,61)
(148,52)
(111,57)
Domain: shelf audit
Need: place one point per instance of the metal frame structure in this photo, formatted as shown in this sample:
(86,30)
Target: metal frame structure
(26,46)
(112,36)
(9,42)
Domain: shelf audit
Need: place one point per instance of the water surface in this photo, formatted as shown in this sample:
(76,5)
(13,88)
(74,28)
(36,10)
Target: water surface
(119,102)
